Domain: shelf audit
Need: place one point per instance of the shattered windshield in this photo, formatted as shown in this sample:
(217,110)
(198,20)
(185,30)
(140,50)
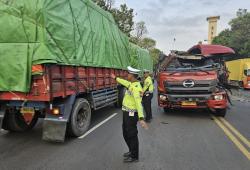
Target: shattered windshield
(180,64)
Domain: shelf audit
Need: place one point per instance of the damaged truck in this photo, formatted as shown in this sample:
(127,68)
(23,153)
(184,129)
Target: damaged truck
(56,58)
(195,79)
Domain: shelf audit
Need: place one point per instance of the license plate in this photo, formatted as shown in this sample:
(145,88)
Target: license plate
(186,103)
(30,110)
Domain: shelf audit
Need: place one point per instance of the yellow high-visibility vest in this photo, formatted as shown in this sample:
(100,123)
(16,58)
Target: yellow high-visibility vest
(132,99)
(148,85)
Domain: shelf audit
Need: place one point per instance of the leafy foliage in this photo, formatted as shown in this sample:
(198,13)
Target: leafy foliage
(123,16)
(238,36)
(105,4)
(148,43)
(155,53)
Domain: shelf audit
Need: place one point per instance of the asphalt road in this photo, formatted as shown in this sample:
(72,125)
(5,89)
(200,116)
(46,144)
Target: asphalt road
(241,94)
(178,140)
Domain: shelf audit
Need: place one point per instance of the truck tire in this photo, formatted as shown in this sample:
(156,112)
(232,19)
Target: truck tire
(15,122)
(220,112)
(121,93)
(80,118)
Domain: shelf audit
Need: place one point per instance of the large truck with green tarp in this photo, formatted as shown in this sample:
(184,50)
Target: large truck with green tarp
(56,58)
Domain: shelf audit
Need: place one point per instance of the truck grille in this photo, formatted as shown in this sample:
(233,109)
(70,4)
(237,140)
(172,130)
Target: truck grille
(200,87)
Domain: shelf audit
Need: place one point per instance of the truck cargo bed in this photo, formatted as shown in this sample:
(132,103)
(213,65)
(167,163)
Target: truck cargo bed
(62,81)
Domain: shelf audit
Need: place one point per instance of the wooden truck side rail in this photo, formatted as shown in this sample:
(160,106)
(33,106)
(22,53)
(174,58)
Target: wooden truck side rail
(62,81)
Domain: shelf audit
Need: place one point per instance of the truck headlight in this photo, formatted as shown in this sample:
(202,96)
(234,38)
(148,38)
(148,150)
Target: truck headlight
(218,97)
(162,97)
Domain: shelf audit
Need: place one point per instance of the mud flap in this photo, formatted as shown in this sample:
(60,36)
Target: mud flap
(54,127)
(2,113)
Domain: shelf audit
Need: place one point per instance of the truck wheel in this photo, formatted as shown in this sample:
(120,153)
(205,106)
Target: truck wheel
(15,122)
(121,93)
(221,112)
(80,118)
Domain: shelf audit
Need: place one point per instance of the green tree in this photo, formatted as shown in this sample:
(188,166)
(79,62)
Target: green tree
(147,43)
(238,36)
(155,53)
(223,38)
(124,18)
(107,5)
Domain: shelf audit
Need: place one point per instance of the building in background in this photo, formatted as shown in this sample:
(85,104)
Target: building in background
(212,27)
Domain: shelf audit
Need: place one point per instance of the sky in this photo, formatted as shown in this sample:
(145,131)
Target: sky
(183,20)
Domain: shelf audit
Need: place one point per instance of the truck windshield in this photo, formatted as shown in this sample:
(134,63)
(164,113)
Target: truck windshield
(180,64)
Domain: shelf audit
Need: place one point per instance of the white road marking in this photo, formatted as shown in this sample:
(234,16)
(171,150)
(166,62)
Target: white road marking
(97,126)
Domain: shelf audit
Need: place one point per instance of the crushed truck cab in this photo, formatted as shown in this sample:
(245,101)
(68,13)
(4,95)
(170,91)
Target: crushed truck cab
(192,80)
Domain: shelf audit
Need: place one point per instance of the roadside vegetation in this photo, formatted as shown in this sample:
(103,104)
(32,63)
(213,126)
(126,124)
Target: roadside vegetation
(136,31)
(238,35)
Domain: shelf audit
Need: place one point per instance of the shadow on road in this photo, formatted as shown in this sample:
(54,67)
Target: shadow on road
(35,134)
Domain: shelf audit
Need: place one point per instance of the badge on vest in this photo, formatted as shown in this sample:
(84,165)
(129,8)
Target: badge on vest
(131,114)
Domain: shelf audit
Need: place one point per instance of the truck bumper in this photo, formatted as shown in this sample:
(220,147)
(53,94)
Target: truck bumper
(200,104)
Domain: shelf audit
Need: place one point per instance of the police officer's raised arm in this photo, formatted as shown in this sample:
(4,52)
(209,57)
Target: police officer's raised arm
(123,82)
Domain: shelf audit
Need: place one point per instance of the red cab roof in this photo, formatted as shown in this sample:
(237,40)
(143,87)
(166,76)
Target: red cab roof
(208,50)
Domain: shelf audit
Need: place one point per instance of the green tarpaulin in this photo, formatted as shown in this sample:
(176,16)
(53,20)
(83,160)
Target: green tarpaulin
(140,58)
(66,32)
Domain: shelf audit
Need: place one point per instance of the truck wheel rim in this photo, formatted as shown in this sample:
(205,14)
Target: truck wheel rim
(82,117)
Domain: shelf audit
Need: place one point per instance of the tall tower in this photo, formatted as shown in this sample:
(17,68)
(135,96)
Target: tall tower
(212,27)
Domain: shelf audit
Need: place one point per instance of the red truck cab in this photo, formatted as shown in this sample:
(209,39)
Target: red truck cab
(194,79)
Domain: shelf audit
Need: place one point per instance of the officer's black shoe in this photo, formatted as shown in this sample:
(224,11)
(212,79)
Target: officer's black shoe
(126,158)
(130,160)
(148,120)
(128,154)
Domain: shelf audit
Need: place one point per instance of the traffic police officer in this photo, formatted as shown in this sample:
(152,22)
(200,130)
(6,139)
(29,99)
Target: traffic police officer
(148,90)
(132,113)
